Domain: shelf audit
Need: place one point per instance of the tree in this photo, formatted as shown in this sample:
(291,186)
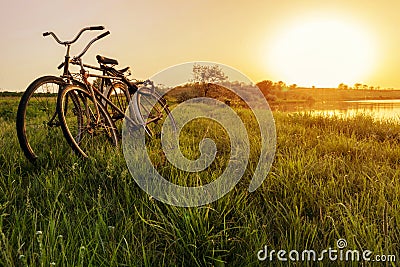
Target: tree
(343,86)
(206,76)
(281,86)
(357,86)
(266,87)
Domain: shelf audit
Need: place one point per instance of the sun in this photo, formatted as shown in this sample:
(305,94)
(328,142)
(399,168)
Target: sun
(322,52)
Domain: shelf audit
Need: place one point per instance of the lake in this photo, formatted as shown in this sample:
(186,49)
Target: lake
(382,109)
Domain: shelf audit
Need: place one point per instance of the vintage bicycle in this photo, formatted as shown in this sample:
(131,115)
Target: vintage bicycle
(83,111)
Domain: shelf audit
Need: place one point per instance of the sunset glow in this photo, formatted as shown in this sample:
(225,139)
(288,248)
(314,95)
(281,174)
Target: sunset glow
(322,52)
(320,43)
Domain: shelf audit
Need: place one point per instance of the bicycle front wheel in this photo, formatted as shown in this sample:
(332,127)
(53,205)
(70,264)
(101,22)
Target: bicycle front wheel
(37,123)
(85,129)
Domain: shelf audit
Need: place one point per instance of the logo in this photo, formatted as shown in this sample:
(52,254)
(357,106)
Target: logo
(341,253)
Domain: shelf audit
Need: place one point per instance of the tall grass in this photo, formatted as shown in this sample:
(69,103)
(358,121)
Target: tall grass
(332,178)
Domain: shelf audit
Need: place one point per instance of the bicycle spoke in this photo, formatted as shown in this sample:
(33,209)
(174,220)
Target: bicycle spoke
(153,111)
(84,128)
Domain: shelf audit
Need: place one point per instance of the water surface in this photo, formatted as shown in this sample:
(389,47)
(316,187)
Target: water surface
(381,109)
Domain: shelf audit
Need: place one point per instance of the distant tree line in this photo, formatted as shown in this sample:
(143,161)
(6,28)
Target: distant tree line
(278,90)
(273,91)
(358,86)
(207,79)
(8,93)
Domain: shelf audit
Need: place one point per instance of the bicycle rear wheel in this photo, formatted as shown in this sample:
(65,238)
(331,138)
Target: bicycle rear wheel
(37,123)
(118,94)
(86,130)
(152,110)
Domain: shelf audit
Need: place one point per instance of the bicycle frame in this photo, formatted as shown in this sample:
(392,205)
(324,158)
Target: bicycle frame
(99,94)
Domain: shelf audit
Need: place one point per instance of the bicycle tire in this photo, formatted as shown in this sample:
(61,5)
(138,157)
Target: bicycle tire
(118,94)
(79,122)
(151,110)
(36,118)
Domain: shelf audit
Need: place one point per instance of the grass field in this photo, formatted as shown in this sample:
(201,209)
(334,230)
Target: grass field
(332,178)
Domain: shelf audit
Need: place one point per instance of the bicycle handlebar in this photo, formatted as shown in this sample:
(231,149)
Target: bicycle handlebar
(103,35)
(92,28)
(96,28)
(87,47)
(91,42)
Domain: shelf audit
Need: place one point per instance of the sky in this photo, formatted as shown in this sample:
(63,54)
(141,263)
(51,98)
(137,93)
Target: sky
(321,43)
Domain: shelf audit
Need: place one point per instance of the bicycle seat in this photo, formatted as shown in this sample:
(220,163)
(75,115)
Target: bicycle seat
(105,60)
